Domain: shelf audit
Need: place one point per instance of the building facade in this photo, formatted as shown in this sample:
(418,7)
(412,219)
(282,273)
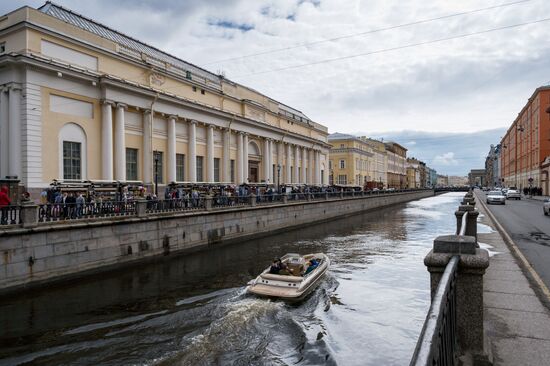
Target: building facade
(526,144)
(457,181)
(380,164)
(477,177)
(351,160)
(80,101)
(442,180)
(413,173)
(397,158)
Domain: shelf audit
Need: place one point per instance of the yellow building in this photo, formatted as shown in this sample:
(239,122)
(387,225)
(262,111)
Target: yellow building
(379,168)
(80,101)
(351,160)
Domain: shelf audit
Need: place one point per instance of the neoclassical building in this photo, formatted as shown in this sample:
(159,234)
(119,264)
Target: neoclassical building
(80,101)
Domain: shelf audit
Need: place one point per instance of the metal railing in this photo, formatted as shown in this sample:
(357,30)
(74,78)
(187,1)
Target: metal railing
(175,205)
(74,211)
(9,215)
(463,224)
(437,344)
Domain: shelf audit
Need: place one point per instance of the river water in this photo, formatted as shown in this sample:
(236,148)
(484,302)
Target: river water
(193,309)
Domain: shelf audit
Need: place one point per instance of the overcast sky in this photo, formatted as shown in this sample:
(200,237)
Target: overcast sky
(381,83)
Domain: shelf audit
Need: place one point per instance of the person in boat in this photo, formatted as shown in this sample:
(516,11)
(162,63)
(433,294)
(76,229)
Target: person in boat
(312,264)
(278,267)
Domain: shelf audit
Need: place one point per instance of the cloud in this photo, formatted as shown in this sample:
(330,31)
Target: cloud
(445,159)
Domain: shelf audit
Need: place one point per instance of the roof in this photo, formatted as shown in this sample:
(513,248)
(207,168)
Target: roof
(341,136)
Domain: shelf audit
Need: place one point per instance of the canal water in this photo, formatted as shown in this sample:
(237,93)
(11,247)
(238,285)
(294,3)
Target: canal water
(193,309)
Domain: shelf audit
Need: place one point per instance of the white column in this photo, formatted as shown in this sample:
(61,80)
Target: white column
(14,132)
(106,141)
(270,165)
(226,156)
(120,143)
(239,162)
(296,160)
(210,154)
(147,147)
(192,155)
(265,160)
(171,150)
(4,131)
(303,166)
(310,167)
(279,167)
(318,177)
(245,158)
(288,172)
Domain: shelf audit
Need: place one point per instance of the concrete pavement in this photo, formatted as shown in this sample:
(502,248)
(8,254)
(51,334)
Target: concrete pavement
(516,319)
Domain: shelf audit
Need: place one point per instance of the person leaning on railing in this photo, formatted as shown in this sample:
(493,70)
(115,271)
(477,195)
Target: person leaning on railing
(4,205)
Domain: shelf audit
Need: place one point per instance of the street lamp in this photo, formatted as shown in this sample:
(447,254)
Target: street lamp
(278,178)
(156,156)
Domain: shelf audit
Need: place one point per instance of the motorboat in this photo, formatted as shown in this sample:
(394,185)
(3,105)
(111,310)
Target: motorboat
(296,282)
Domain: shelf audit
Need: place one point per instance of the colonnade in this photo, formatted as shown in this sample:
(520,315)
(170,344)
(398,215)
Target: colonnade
(306,162)
(10,131)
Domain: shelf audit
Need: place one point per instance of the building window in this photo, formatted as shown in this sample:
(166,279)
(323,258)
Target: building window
(342,146)
(323,177)
(343,179)
(157,162)
(342,164)
(3,47)
(232,171)
(71,160)
(131,164)
(199,169)
(180,167)
(216,169)
(188,75)
(203,92)
(330,164)
(194,88)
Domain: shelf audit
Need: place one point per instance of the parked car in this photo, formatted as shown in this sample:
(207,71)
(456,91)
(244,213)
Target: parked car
(496,197)
(546,207)
(512,193)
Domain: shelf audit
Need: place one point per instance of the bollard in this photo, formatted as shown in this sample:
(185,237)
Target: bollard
(285,198)
(141,207)
(469,289)
(471,221)
(326,196)
(208,202)
(252,200)
(342,194)
(28,214)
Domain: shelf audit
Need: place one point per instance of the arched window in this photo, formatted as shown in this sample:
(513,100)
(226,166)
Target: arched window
(253,149)
(72,152)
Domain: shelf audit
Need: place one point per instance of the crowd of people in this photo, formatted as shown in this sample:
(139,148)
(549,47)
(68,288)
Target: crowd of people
(533,191)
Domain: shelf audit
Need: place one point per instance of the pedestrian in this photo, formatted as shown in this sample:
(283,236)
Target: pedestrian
(4,203)
(79,205)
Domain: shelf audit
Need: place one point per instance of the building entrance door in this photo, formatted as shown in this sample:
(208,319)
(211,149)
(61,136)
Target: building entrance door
(253,171)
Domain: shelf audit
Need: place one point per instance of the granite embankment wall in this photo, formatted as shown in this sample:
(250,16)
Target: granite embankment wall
(70,249)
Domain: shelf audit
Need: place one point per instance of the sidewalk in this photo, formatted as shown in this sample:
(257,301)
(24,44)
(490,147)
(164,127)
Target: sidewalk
(516,321)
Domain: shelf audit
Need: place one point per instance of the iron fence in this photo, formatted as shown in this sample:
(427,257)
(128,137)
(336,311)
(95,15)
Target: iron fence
(437,345)
(9,215)
(74,211)
(175,205)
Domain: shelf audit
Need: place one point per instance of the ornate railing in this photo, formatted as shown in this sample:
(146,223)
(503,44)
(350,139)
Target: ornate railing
(437,344)
(9,215)
(74,211)
(175,205)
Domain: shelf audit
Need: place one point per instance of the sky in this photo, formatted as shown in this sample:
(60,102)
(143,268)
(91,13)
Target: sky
(437,73)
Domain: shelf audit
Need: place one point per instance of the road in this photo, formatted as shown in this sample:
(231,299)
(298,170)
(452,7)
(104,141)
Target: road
(529,228)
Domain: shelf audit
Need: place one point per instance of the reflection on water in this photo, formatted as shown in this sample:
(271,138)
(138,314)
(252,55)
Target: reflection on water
(193,309)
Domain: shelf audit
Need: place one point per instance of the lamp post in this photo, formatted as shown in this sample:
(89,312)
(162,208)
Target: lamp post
(278,178)
(156,156)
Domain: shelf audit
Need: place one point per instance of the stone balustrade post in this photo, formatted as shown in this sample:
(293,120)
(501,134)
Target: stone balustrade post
(471,221)
(252,200)
(285,198)
(208,202)
(342,194)
(326,196)
(469,289)
(28,214)
(308,196)
(141,207)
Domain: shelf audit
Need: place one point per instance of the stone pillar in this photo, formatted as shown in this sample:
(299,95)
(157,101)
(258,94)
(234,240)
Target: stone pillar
(266,160)
(4,133)
(141,207)
(285,198)
(226,155)
(280,161)
(210,154)
(245,158)
(471,220)
(14,132)
(469,287)
(271,177)
(296,170)
(147,147)
(318,178)
(171,150)
(120,143)
(252,200)
(240,141)
(208,204)
(192,149)
(288,172)
(303,166)
(29,214)
(106,141)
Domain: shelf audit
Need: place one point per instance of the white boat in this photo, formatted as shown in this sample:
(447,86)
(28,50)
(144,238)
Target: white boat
(294,286)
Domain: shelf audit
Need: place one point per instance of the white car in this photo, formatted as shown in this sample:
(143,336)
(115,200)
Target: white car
(512,193)
(496,197)
(546,207)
